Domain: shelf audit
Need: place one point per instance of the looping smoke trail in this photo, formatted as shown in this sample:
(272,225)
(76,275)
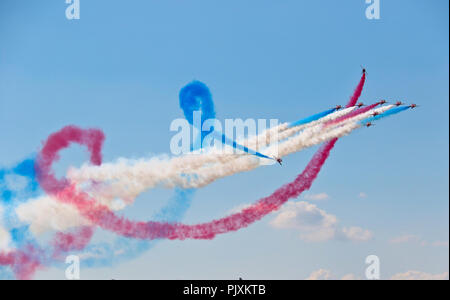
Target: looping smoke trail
(196,96)
(91,138)
(122,248)
(104,254)
(25,262)
(65,242)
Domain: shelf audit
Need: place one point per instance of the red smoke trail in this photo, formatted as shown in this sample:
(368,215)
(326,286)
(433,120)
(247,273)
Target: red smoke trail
(91,138)
(352,114)
(102,216)
(263,207)
(357,92)
(25,262)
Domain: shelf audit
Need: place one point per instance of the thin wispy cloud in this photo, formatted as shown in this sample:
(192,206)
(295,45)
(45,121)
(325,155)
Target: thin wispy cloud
(407,238)
(440,244)
(417,275)
(412,238)
(324,274)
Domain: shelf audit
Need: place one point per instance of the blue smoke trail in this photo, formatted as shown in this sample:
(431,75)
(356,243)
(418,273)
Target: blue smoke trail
(224,139)
(26,181)
(387,113)
(196,96)
(17,184)
(311,118)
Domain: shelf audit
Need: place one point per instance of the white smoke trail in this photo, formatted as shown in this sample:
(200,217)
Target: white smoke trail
(45,213)
(283,131)
(126,179)
(288,132)
(159,167)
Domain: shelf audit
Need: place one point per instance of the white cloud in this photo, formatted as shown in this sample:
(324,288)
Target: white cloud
(314,224)
(417,275)
(355,234)
(317,197)
(362,195)
(320,274)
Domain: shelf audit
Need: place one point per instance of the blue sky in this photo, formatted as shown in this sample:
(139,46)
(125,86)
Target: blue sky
(121,66)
